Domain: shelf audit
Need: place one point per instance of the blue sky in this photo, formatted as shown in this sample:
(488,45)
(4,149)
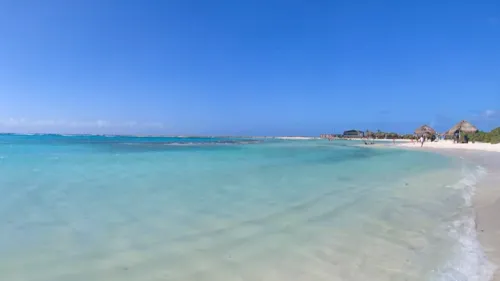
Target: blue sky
(258,67)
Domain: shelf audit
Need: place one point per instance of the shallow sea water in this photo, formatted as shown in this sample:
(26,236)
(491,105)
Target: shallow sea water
(124,208)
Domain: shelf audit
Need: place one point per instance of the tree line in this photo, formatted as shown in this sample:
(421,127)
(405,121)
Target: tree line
(481,136)
(387,135)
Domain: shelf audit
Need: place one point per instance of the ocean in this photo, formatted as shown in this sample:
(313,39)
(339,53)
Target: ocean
(115,208)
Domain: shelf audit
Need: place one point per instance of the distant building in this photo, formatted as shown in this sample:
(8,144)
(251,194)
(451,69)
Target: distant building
(353,134)
(329,136)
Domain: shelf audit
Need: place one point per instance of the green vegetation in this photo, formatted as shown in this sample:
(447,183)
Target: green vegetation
(407,136)
(381,135)
(480,136)
(491,137)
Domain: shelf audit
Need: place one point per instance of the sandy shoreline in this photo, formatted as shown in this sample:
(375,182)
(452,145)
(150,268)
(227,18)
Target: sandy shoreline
(486,201)
(375,140)
(455,146)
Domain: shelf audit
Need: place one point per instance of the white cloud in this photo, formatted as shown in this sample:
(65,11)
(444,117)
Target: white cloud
(42,123)
(102,123)
(131,124)
(12,122)
(53,124)
(485,115)
(489,113)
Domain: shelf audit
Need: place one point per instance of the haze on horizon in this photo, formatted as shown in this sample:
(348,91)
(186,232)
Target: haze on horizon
(247,67)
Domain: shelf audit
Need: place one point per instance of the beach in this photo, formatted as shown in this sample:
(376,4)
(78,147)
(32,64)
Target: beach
(448,144)
(486,200)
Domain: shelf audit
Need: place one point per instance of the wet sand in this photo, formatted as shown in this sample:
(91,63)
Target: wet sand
(486,200)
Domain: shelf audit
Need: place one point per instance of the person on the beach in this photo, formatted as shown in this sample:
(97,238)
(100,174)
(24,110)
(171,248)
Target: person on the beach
(422,139)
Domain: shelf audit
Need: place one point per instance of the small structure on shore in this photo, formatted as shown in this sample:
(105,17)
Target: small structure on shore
(328,136)
(425,130)
(462,127)
(353,134)
(369,134)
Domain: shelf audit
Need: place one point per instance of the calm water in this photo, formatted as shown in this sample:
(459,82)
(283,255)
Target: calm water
(123,208)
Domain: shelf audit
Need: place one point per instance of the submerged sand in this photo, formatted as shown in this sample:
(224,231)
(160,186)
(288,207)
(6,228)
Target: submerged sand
(486,201)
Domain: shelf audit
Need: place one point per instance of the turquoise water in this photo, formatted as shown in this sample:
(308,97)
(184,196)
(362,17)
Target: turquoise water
(128,208)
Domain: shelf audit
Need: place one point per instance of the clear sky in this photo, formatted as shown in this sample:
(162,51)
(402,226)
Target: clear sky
(258,67)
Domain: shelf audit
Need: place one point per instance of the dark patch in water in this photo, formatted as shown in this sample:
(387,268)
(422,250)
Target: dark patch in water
(126,144)
(344,179)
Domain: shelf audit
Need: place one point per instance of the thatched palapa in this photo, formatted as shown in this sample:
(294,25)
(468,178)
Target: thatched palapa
(425,130)
(463,126)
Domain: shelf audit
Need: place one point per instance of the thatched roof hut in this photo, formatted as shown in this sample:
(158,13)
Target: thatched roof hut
(425,130)
(462,126)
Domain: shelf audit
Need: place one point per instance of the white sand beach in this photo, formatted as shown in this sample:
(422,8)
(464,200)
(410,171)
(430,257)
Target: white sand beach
(296,138)
(448,144)
(376,140)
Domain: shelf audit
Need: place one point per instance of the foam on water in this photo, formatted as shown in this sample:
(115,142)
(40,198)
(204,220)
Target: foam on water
(127,208)
(468,262)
